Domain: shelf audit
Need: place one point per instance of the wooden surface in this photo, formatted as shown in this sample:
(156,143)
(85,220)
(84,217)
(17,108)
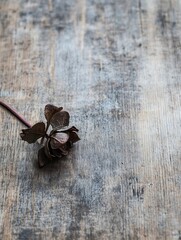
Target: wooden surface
(115,65)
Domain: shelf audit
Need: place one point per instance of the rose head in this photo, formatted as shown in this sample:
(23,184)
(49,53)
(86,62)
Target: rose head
(60,139)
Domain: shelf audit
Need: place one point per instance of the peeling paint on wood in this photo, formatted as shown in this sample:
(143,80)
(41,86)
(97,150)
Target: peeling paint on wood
(115,66)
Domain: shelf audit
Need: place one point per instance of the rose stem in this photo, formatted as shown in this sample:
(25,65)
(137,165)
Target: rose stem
(11,110)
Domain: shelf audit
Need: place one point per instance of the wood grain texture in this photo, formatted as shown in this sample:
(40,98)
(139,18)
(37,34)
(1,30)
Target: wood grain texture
(115,66)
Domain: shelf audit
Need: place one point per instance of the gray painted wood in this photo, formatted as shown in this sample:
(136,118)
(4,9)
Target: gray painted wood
(115,66)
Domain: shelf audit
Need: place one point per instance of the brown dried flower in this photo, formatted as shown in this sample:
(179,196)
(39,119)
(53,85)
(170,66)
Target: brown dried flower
(60,139)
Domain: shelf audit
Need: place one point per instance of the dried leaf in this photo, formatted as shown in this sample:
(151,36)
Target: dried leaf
(50,110)
(60,120)
(32,134)
(42,158)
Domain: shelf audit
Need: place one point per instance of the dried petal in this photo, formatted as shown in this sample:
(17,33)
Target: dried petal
(48,150)
(58,139)
(42,158)
(60,152)
(57,153)
(63,149)
(32,134)
(72,129)
(65,130)
(60,120)
(50,110)
(73,137)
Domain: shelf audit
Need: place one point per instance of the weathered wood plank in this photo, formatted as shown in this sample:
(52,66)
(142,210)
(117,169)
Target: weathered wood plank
(115,66)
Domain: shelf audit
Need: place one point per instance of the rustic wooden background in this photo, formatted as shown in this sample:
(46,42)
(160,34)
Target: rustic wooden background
(115,65)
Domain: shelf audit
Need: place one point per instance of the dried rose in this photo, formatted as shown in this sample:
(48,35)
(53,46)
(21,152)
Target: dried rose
(60,139)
